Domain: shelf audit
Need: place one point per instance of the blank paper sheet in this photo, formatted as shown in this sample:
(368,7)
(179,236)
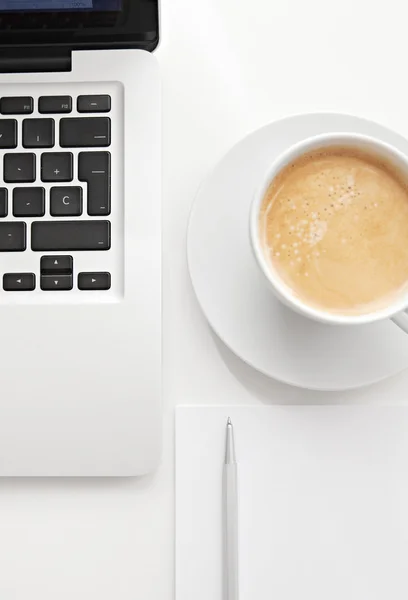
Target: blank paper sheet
(323,502)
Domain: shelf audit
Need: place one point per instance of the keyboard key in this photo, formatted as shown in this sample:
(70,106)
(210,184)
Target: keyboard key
(54,104)
(12,236)
(56,166)
(70,235)
(3,202)
(89,104)
(56,283)
(19,282)
(17,105)
(62,265)
(66,201)
(38,133)
(29,202)
(83,132)
(95,169)
(8,133)
(19,168)
(94,281)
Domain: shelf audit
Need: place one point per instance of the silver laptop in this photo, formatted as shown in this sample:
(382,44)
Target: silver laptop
(80,270)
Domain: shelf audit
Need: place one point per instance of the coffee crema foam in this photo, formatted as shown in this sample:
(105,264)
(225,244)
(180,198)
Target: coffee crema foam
(334,226)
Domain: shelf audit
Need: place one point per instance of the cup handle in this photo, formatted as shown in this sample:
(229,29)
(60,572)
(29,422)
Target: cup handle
(401,319)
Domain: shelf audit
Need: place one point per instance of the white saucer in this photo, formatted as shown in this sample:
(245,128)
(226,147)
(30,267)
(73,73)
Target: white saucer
(236,301)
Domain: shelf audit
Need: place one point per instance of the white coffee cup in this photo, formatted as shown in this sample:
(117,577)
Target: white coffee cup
(396,309)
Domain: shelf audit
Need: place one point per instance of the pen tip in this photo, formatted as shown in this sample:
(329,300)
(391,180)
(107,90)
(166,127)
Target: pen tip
(229,422)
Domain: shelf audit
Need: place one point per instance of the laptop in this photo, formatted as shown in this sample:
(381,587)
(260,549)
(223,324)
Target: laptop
(80,239)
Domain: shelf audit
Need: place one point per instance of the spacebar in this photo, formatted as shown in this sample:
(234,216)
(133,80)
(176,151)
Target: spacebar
(70,235)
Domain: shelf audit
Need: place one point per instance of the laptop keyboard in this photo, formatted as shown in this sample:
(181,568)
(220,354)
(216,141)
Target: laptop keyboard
(56,194)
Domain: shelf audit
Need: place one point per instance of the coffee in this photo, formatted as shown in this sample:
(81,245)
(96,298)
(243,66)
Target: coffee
(334,227)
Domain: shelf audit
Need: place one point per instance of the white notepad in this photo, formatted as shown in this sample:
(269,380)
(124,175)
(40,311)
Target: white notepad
(323,502)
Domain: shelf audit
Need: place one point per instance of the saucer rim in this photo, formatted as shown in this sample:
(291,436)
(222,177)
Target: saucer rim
(244,140)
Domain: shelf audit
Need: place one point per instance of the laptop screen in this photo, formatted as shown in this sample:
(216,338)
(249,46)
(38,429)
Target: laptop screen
(80,24)
(55,5)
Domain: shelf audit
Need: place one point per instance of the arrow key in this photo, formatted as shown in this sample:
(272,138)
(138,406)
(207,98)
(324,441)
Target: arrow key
(56,283)
(94,281)
(62,265)
(19,282)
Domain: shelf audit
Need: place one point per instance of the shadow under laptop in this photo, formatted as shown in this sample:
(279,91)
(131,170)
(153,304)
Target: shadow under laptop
(76,484)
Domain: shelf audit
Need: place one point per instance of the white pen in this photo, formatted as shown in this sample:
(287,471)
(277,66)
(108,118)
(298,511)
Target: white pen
(230,501)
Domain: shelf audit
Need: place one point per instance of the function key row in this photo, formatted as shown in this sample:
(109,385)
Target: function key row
(74,132)
(56,236)
(24,105)
(56,282)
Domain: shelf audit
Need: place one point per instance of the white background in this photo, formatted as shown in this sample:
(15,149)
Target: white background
(228,67)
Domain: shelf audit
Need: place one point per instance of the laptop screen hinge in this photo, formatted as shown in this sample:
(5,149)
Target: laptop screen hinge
(35,60)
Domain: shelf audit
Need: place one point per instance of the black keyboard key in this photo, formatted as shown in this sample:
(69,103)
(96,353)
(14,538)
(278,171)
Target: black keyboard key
(17,105)
(66,201)
(62,265)
(56,283)
(95,169)
(54,104)
(8,133)
(19,168)
(29,202)
(70,235)
(89,104)
(3,202)
(19,282)
(38,133)
(56,166)
(12,236)
(85,132)
(94,281)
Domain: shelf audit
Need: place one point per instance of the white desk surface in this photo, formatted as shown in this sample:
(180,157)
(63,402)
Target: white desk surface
(228,66)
